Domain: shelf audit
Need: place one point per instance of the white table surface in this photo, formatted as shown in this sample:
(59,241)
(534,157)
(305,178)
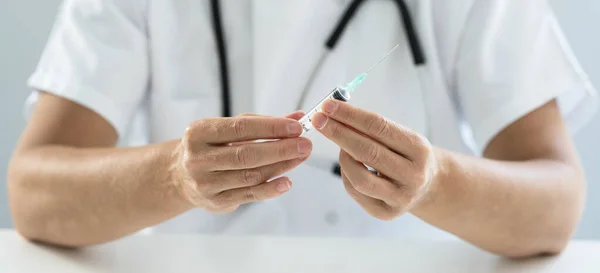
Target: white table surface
(198,253)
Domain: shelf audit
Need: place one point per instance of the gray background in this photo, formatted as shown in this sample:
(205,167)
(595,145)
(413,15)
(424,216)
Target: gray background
(24,26)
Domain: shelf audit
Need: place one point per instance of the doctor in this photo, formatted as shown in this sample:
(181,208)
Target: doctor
(467,123)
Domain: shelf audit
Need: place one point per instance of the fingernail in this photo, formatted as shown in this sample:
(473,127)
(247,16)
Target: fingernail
(294,128)
(329,106)
(304,146)
(283,186)
(319,120)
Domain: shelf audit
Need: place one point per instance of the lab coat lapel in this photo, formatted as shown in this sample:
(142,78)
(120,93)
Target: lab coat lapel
(284,64)
(431,80)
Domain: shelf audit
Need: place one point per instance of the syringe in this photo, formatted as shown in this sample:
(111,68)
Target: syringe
(339,93)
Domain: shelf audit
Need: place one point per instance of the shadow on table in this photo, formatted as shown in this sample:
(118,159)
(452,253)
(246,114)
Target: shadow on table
(143,256)
(85,259)
(535,264)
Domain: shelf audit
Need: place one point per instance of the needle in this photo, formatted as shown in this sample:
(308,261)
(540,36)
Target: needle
(382,59)
(351,86)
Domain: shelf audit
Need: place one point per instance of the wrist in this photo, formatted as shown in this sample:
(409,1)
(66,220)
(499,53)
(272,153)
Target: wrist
(440,176)
(176,175)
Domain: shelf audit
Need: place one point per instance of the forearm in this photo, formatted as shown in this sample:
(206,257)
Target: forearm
(511,208)
(76,197)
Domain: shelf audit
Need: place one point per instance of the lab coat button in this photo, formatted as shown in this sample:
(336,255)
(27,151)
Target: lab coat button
(331,218)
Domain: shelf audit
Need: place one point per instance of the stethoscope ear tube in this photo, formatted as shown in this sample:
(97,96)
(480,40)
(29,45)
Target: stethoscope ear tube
(222,53)
(334,37)
(411,34)
(332,41)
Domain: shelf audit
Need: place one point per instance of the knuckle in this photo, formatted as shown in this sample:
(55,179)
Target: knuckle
(286,150)
(200,129)
(335,131)
(250,195)
(240,126)
(203,159)
(422,140)
(195,128)
(243,156)
(364,186)
(252,177)
(218,202)
(349,114)
(369,154)
(200,124)
(425,148)
(193,161)
(420,143)
(190,131)
(212,128)
(379,125)
(203,189)
(274,129)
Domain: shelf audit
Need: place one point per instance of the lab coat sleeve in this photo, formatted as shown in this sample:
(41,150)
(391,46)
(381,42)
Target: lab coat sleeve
(96,56)
(513,58)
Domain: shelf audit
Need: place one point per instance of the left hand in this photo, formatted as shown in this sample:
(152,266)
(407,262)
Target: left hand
(404,159)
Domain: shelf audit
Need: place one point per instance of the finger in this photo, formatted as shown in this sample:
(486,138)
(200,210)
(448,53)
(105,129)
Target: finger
(256,193)
(364,149)
(253,155)
(368,183)
(374,207)
(294,115)
(398,138)
(227,130)
(228,180)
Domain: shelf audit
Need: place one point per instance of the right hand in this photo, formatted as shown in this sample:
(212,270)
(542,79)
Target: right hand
(219,166)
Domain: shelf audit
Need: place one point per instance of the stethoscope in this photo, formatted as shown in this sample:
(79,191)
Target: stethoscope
(330,44)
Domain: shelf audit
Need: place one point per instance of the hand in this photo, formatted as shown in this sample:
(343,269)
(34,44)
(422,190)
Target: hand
(404,159)
(219,165)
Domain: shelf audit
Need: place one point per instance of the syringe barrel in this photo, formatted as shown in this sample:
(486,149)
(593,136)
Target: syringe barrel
(339,93)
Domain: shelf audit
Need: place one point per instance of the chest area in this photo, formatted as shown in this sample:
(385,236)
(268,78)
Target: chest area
(275,52)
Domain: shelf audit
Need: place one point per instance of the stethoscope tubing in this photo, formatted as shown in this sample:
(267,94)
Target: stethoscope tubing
(330,44)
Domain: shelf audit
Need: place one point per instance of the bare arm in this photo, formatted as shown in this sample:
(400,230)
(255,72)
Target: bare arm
(69,185)
(67,181)
(524,199)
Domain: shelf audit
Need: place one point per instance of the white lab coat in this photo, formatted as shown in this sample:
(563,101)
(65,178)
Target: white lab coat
(150,69)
